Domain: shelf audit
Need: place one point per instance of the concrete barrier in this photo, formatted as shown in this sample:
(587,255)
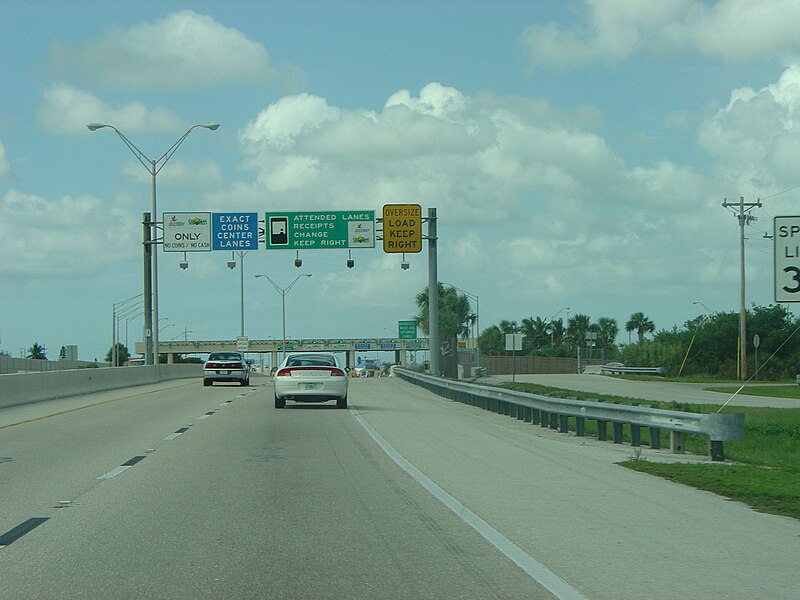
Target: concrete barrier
(24,388)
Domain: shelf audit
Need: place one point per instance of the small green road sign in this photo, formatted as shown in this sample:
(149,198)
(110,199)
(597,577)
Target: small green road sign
(407,330)
(312,230)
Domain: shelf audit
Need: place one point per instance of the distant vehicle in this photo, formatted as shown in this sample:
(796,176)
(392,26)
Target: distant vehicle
(226,366)
(310,377)
(135,362)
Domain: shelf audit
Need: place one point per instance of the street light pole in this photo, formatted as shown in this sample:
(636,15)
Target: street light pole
(283,292)
(114,328)
(153,167)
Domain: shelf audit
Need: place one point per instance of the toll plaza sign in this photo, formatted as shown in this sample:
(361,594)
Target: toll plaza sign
(234,231)
(787,259)
(312,230)
(402,228)
(407,330)
(187,232)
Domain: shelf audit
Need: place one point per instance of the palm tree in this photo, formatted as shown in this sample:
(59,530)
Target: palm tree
(536,332)
(640,324)
(577,327)
(37,352)
(508,326)
(607,330)
(454,319)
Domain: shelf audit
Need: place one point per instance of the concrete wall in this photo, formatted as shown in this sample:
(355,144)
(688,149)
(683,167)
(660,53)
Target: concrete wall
(23,388)
(9,364)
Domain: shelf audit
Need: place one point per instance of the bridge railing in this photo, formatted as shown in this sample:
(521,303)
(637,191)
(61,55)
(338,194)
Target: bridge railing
(556,413)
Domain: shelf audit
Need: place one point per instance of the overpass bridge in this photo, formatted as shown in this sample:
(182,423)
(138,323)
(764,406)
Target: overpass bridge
(401,347)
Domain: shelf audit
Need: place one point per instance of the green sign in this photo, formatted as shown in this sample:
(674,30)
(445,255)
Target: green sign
(407,330)
(312,230)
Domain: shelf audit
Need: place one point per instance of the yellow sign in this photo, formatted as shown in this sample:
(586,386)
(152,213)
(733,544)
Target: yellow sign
(402,228)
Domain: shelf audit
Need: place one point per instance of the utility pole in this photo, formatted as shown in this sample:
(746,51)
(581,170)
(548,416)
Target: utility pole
(740,209)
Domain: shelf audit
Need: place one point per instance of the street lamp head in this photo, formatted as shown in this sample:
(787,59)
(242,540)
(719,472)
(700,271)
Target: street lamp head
(96,126)
(211,126)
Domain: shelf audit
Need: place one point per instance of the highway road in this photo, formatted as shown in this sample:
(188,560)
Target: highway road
(179,491)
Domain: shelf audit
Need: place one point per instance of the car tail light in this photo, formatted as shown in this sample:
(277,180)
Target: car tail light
(284,373)
(235,366)
(337,373)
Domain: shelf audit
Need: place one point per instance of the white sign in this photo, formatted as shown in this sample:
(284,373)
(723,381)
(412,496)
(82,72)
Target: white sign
(187,232)
(514,341)
(787,259)
(242,343)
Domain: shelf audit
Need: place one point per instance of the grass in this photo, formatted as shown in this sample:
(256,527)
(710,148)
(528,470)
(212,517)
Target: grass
(774,391)
(768,476)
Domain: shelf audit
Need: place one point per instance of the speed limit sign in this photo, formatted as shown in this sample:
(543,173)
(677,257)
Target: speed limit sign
(787,259)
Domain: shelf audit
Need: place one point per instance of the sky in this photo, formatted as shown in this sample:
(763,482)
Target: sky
(577,153)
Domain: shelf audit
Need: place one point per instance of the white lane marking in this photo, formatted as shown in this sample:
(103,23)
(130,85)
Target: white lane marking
(172,436)
(115,471)
(203,417)
(536,570)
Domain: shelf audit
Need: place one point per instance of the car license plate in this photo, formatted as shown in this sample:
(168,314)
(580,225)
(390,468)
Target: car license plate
(310,386)
(223,372)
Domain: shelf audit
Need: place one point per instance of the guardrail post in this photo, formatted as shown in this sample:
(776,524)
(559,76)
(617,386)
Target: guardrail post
(602,431)
(655,438)
(536,416)
(715,450)
(553,421)
(564,424)
(636,435)
(545,419)
(528,414)
(580,426)
(677,441)
(617,427)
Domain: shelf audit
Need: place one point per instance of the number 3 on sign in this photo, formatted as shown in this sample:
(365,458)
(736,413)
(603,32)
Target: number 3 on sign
(795,278)
(787,259)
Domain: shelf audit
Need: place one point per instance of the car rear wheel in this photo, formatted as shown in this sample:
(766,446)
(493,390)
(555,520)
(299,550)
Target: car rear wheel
(244,382)
(280,402)
(206,382)
(341,402)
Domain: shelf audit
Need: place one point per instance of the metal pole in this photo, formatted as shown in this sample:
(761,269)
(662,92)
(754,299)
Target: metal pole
(154,260)
(241,292)
(283,320)
(433,297)
(113,334)
(148,291)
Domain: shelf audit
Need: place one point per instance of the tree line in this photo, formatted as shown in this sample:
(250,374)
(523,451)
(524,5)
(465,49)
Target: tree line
(705,345)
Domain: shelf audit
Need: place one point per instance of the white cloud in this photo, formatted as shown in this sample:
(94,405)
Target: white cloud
(755,137)
(65,109)
(613,30)
(184,50)
(457,150)
(5,168)
(72,237)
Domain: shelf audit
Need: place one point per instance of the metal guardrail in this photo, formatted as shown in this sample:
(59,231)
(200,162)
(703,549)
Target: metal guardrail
(623,370)
(556,413)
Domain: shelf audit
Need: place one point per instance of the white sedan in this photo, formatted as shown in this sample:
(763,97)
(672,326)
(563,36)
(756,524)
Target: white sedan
(310,377)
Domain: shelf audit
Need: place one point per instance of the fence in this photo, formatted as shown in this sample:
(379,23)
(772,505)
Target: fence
(556,413)
(505,365)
